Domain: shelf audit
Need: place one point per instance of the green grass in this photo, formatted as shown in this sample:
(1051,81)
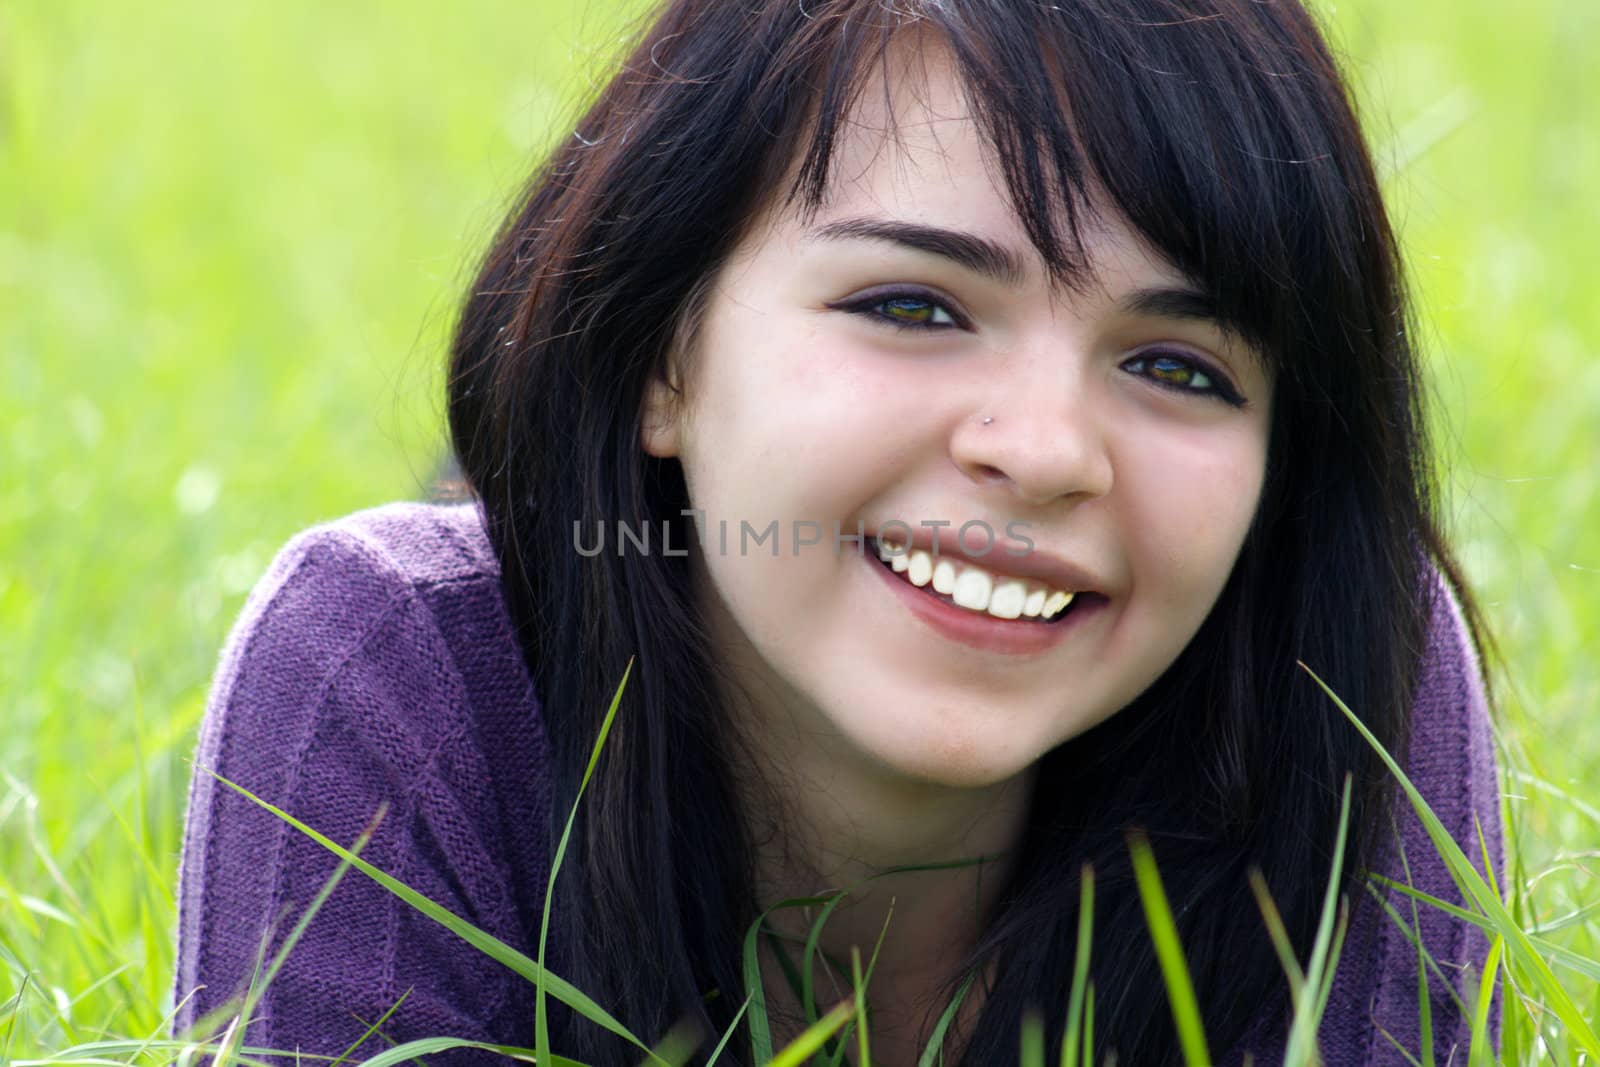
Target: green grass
(231,239)
(824,1042)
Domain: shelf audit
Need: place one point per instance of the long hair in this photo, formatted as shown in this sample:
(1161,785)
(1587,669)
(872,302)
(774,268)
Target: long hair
(1223,132)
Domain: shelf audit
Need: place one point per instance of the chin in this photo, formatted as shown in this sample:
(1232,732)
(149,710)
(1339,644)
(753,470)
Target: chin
(978,758)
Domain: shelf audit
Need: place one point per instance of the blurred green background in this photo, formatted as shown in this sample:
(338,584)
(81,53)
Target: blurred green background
(233,237)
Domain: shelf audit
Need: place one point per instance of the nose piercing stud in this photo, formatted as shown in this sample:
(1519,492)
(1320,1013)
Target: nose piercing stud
(987,419)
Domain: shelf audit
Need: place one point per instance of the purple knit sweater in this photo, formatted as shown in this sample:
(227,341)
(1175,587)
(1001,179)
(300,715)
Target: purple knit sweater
(375,664)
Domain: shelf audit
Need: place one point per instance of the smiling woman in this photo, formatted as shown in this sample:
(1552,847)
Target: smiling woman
(870,338)
(1115,282)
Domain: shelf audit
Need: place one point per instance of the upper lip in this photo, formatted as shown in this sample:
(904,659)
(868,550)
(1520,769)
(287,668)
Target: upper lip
(1038,564)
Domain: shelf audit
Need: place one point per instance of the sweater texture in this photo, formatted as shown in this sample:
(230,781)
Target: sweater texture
(374,666)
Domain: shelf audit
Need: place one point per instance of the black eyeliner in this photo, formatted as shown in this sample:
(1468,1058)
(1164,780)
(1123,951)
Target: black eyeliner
(864,303)
(1222,386)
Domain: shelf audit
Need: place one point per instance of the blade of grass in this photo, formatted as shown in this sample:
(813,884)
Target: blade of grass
(1557,952)
(808,957)
(1488,863)
(1456,910)
(813,1037)
(815,933)
(1277,933)
(760,1025)
(1479,1054)
(1080,969)
(1567,921)
(490,946)
(1302,1047)
(164,1027)
(1424,1000)
(153,977)
(230,1038)
(791,973)
(861,1006)
(263,972)
(1088,1027)
(410,1050)
(936,1039)
(678,1044)
(1395,1044)
(124,1050)
(42,997)
(1337,949)
(1568,799)
(16,1010)
(1410,932)
(1032,1050)
(861,984)
(541,1025)
(371,1028)
(1169,953)
(101,1051)
(727,1035)
(257,991)
(1521,949)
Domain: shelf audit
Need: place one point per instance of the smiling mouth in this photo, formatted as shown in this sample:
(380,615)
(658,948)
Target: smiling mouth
(972,589)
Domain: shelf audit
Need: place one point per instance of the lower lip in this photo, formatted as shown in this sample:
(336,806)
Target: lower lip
(1010,637)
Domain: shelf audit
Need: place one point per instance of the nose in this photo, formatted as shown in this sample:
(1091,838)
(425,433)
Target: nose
(1047,440)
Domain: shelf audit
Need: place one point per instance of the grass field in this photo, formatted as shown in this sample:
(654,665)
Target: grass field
(231,241)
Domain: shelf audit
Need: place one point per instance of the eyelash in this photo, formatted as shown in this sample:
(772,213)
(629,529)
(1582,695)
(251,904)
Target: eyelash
(867,307)
(1219,386)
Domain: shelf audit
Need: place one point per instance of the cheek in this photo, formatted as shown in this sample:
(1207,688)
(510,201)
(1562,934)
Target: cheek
(783,421)
(1191,502)
(792,429)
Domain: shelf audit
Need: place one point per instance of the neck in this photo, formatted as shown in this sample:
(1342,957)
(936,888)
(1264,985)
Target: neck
(827,819)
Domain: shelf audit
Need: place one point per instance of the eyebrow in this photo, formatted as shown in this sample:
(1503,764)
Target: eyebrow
(975,253)
(1183,303)
(1171,302)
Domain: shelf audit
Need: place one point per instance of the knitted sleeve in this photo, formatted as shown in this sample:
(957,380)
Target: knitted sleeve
(338,694)
(1452,763)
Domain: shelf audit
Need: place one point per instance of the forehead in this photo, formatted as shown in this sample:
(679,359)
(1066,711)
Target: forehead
(910,150)
(910,143)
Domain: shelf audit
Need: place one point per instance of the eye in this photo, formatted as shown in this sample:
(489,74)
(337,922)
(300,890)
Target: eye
(1183,374)
(906,309)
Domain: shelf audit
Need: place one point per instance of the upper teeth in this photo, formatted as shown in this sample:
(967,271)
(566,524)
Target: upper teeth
(976,589)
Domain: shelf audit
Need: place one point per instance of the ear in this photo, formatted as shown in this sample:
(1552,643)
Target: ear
(663,422)
(661,419)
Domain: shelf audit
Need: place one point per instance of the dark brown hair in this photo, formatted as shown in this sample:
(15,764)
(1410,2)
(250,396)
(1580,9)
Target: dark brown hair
(1223,132)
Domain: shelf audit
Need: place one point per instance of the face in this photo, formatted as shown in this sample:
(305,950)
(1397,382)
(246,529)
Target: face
(902,358)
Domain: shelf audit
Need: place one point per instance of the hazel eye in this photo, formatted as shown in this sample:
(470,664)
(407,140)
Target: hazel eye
(915,312)
(1176,372)
(902,309)
(1184,375)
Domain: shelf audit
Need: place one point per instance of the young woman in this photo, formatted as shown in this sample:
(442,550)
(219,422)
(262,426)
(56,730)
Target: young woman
(965,417)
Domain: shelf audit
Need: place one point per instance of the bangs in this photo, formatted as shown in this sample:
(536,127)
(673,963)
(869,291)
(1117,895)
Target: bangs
(1203,128)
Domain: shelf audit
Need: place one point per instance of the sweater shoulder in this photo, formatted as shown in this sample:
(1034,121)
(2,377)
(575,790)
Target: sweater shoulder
(380,618)
(341,593)
(413,544)
(372,669)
